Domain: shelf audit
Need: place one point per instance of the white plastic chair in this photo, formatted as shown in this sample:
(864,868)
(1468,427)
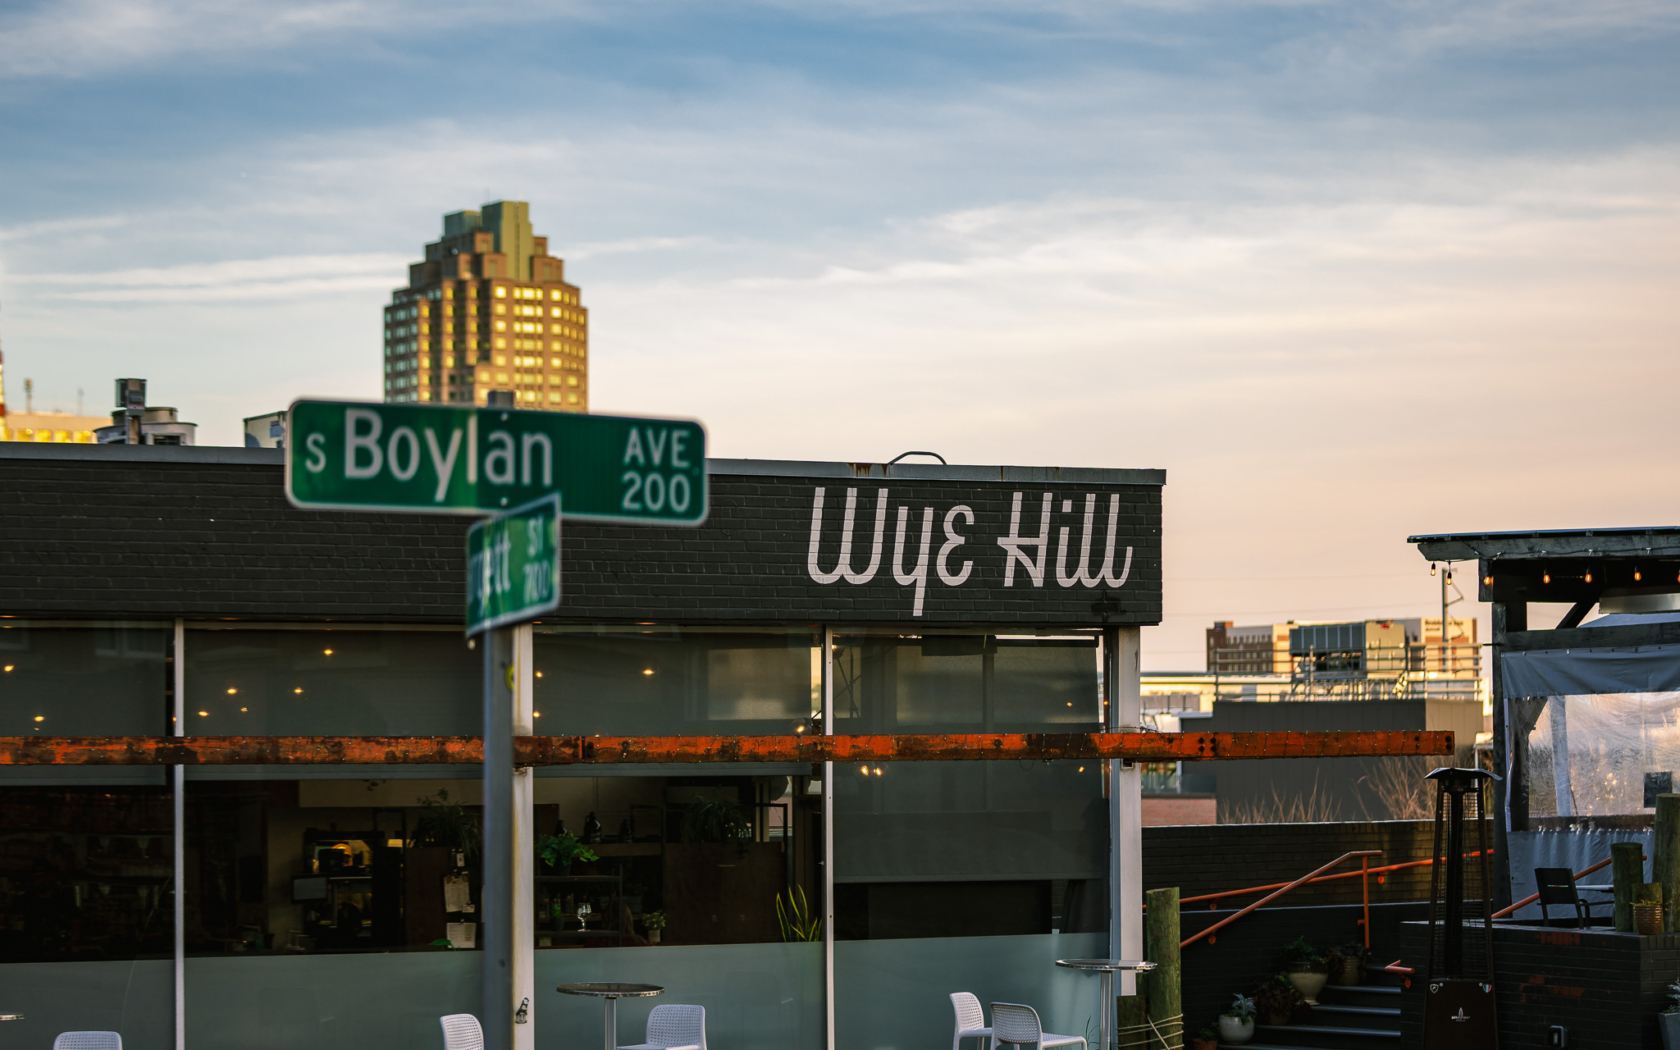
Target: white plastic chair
(88,1041)
(971,1020)
(1015,1023)
(461,1032)
(674,1027)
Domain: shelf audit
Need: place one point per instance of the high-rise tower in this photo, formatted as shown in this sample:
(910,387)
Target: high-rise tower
(488,310)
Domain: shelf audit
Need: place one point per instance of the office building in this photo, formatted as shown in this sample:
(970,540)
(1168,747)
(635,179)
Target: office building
(488,309)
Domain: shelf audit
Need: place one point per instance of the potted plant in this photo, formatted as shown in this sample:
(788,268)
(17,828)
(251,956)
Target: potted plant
(1306,969)
(1206,1039)
(654,921)
(447,824)
(1277,1001)
(1346,963)
(559,851)
(1236,1025)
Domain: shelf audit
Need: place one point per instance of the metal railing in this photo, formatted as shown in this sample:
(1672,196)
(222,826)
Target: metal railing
(1363,874)
(1405,672)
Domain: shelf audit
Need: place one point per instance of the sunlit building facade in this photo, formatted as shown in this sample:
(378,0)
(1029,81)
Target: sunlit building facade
(488,309)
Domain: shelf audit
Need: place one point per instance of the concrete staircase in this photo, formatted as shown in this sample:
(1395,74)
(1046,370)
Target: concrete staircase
(1348,1017)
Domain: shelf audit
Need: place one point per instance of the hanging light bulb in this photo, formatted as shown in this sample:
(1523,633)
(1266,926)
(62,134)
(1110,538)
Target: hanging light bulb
(1589,575)
(1545,577)
(1487,581)
(1636,576)
(1431,568)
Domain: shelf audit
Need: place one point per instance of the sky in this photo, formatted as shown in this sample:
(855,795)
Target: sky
(1347,271)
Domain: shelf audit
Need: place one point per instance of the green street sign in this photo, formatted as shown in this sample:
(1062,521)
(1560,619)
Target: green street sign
(440,459)
(513,566)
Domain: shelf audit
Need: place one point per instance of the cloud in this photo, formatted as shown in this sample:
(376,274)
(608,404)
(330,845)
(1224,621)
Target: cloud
(284,277)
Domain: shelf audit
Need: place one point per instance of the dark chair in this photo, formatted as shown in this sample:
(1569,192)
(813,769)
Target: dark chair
(1557,888)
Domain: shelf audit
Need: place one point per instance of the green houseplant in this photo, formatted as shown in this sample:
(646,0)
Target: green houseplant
(559,851)
(654,921)
(1236,1024)
(1277,1001)
(447,824)
(1306,969)
(1668,1022)
(794,916)
(1206,1039)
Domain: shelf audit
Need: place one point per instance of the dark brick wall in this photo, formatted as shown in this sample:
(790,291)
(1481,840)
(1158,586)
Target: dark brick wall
(208,533)
(1207,858)
(1606,988)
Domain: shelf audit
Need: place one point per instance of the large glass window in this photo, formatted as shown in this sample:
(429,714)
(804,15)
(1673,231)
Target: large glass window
(669,681)
(957,863)
(105,680)
(332,682)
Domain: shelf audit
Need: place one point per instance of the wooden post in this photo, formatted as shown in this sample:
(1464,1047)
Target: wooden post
(1665,856)
(1161,988)
(1627,873)
(1132,1027)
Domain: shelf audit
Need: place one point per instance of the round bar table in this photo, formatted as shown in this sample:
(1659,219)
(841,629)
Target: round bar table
(611,992)
(1107,967)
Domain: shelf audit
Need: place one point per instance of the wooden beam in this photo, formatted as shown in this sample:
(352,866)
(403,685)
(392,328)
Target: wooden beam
(636,750)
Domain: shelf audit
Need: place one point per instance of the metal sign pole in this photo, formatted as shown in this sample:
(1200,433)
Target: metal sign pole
(496,913)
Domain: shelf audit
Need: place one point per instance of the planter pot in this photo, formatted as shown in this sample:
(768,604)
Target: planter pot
(1235,1029)
(1648,919)
(1669,1026)
(1309,984)
(1198,1043)
(653,936)
(1348,970)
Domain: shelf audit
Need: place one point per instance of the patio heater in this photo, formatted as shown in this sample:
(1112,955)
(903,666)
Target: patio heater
(1458,1008)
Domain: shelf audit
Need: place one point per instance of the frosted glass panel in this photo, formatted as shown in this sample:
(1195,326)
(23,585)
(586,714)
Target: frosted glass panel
(369,1002)
(134,999)
(757,996)
(895,995)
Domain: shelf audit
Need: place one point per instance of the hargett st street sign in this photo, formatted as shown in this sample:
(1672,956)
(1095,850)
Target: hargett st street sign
(513,566)
(467,460)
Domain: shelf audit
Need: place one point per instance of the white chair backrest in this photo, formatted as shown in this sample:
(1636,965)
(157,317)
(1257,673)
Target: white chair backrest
(675,1024)
(461,1032)
(1015,1023)
(969,1014)
(88,1041)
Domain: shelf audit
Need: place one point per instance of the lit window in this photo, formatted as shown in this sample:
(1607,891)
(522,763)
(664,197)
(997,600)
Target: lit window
(449,361)
(501,377)
(554,362)
(501,293)
(501,344)
(572,398)
(571,380)
(425,362)
(501,326)
(484,377)
(554,397)
(501,309)
(501,359)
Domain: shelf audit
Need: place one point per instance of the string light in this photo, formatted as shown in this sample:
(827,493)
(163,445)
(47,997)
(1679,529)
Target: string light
(1636,576)
(1589,576)
(1545,577)
(1431,568)
(1487,581)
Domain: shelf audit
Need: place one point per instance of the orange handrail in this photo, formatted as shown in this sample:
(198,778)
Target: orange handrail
(1501,913)
(1383,870)
(1302,881)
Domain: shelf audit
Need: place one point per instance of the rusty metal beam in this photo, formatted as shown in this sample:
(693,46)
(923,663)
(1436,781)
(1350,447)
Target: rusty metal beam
(588,750)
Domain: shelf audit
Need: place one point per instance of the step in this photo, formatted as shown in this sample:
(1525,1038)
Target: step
(1328,1037)
(1330,1013)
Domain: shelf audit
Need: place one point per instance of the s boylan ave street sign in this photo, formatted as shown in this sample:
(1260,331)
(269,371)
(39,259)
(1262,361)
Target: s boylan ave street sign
(513,566)
(444,459)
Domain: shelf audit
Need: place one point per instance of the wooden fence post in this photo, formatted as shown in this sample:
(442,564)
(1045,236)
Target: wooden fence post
(1665,859)
(1627,873)
(1163,993)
